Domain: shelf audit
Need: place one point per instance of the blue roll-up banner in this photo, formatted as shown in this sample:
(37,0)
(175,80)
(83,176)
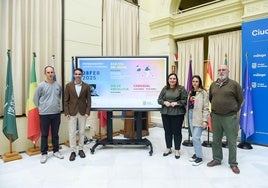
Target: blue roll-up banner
(255,44)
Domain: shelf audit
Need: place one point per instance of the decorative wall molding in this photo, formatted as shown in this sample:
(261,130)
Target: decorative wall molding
(255,9)
(215,17)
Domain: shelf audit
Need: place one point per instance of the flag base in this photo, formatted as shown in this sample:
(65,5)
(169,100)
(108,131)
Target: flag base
(33,151)
(224,144)
(244,145)
(188,143)
(50,147)
(11,156)
(207,144)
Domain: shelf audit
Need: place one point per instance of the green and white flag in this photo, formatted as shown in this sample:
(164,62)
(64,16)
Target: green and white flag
(9,121)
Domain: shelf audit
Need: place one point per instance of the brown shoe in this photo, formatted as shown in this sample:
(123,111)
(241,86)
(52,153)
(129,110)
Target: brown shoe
(72,156)
(81,154)
(213,163)
(235,169)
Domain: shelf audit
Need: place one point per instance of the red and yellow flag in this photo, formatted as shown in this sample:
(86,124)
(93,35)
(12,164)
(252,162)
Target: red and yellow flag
(31,110)
(208,82)
(209,76)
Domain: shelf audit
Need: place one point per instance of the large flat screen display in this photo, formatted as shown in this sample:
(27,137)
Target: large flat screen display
(124,83)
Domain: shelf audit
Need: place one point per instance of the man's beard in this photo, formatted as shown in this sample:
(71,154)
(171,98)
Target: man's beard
(223,77)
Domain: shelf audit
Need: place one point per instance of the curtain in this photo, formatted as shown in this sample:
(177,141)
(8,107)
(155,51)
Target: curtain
(120,31)
(194,49)
(226,46)
(120,28)
(29,26)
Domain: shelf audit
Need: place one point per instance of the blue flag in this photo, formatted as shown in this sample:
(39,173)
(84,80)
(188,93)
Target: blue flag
(246,116)
(73,67)
(9,122)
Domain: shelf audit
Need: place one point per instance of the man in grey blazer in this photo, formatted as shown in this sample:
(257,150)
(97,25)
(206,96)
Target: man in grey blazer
(77,106)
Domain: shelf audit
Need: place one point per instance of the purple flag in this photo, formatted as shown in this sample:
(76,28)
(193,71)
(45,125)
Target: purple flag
(190,75)
(246,116)
(189,86)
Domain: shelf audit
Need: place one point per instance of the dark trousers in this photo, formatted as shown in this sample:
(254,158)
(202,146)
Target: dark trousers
(172,127)
(46,122)
(228,124)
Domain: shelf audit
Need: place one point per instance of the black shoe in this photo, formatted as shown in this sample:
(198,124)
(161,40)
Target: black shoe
(72,156)
(177,156)
(166,154)
(81,154)
(198,161)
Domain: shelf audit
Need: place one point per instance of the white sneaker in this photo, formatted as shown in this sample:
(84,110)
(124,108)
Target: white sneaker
(193,158)
(43,158)
(58,155)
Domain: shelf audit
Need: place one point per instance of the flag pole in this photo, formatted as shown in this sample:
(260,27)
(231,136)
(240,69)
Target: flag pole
(225,143)
(10,143)
(207,143)
(50,145)
(34,55)
(32,112)
(189,142)
(208,82)
(9,120)
(243,143)
(53,59)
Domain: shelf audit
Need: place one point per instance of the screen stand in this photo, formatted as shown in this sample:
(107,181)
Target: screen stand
(110,141)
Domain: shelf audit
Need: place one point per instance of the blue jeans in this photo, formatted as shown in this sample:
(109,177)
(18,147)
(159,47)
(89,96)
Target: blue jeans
(196,135)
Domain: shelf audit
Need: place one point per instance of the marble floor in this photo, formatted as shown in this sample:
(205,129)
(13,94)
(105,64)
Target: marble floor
(133,167)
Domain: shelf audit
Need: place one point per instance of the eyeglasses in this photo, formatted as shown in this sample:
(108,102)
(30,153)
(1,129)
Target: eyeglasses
(221,70)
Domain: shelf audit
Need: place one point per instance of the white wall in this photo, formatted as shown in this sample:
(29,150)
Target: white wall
(82,27)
